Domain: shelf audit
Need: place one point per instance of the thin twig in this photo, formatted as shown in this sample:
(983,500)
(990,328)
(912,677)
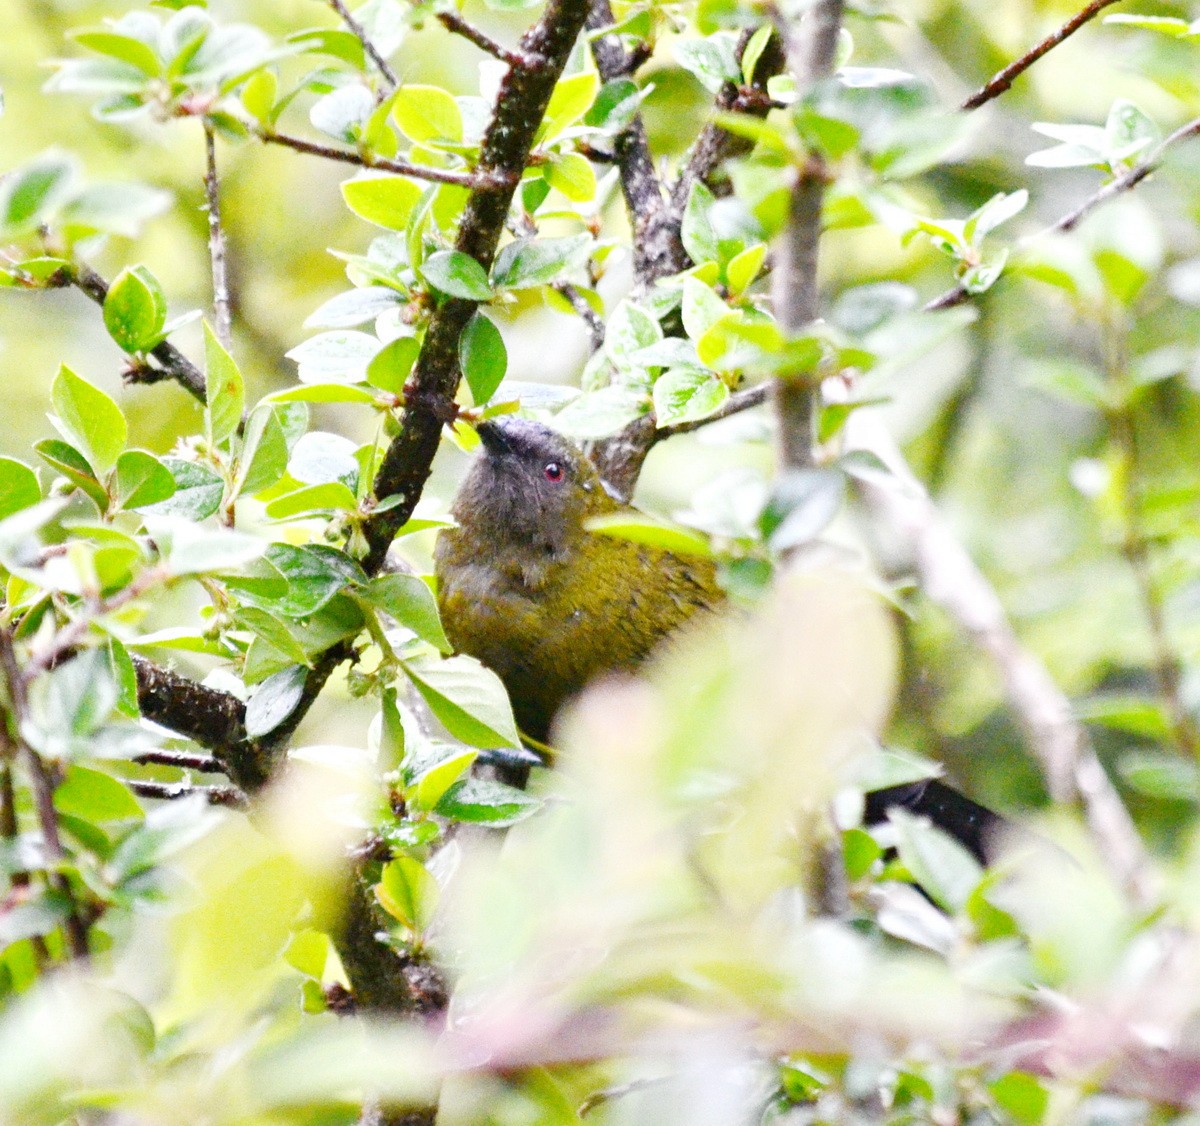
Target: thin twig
(67,638)
(222,313)
(957,295)
(736,403)
(591,319)
(174,364)
(377,164)
(453,22)
(359,32)
(1135,546)
(949,576)
(206,764)
(43,798)
(1005,78)
(173,791)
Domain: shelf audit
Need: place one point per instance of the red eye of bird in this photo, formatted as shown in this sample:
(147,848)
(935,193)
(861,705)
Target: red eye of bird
(554,472)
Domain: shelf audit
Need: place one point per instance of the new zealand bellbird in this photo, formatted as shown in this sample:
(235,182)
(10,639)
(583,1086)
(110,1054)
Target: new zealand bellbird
(548,605)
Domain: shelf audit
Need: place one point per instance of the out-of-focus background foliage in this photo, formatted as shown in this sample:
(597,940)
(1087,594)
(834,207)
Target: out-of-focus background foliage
(1053,419)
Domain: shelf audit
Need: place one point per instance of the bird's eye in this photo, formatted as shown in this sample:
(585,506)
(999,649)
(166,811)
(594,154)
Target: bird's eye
(553,471)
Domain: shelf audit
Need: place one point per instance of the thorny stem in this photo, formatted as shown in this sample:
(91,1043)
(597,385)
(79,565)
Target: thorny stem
(222,314)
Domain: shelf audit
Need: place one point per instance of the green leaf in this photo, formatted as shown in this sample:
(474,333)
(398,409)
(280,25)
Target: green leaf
(28,194)
(571,99)
(315,573)
(408,892)
(390,366)
(142,479)
(409,600)
(95,797)
(753,51)
(687,394)
(89,419)
(427,113)
(456,274)
(331,357)
(483,801)
(198,491)
(124,47)
(274,700)
(274,632)
(701,308)
(482,357)
(743,268)
(355,307)
(1022,1097)
(1159,775)
(334,497)
(802,505)
(387,201)
(135,310)
(526,263)
(189,549)
(597,414)
(259,94)
(468,700)
(322,393)
(699,238)
(712,62)
(224,387)
(19,486)
(263,457)
(640,528)
(74,467)
(943,868)
(431,786)
(572,174)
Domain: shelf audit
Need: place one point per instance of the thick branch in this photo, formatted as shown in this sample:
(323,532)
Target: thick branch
(520,105)
(1004,79)
(657,251)
(794,280)
(174,364)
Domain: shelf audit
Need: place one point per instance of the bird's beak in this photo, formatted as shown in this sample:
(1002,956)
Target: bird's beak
(493,437)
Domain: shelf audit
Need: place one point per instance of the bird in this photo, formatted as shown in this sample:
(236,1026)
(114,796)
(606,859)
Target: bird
(548,605)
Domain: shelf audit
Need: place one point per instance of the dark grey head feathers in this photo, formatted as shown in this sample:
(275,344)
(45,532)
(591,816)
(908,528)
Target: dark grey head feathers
(528,484)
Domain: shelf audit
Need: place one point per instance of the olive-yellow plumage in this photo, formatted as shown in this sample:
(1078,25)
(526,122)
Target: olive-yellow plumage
(529,591)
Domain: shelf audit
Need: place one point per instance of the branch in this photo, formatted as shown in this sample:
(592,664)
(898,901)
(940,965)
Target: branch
(222,318)
(173,791)
(359,32)
(1005,78)
(520,104)
(957,295)
(657,251)
(378,164)
(181,760)
(174,364)
(794,278)
(589,316)
(951,578)
(453,22)
(209,717)
(43,798)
